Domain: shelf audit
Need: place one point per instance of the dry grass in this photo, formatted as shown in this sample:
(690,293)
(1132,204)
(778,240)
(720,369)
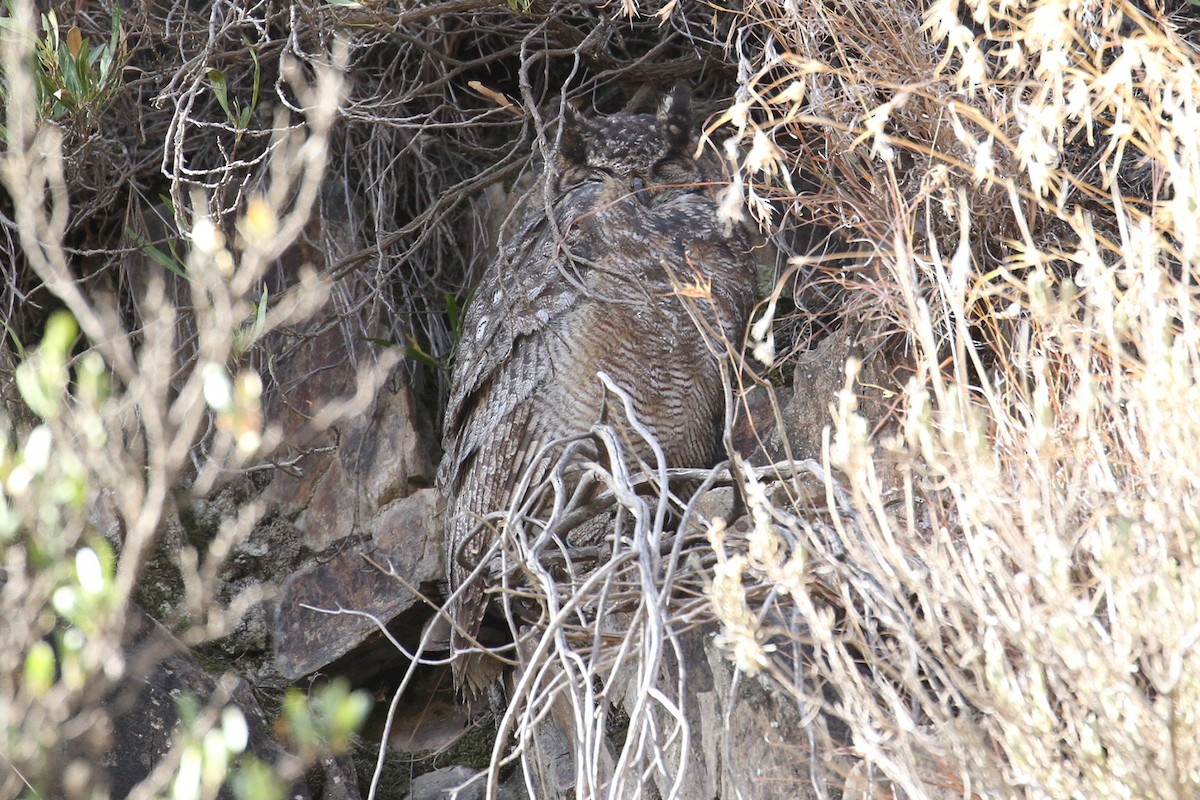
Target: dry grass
(1017,592)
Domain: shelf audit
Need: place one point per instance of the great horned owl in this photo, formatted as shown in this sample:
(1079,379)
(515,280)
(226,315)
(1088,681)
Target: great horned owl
(583,285)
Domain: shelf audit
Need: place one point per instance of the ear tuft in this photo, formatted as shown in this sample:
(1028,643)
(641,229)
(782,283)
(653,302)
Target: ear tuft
(675,116)
(572,143)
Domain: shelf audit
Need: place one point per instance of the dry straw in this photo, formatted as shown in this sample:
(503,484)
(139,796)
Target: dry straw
(1016,602)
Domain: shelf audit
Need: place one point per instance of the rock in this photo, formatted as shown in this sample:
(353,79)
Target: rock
(406,538)
(775,422)
(441,783)
(437,785)
(339,779)
(754,436)
(430,724)
(325,524)
(772,747)
(337,499)
(719,502)
(335,480)
(143,711)
(931,775)
(748,737)
(819,376)
(378,457)
(257,564)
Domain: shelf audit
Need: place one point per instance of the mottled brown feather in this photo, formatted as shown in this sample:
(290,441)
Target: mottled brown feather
(591,292)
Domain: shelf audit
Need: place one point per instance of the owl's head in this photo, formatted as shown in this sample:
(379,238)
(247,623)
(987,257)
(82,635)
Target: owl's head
(644,155)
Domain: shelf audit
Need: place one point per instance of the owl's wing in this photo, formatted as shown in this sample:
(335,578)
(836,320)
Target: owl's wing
(502,354)
(479,488)
(493,428)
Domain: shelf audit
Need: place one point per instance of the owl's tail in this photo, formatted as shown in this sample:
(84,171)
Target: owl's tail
(474,670)
(474,674)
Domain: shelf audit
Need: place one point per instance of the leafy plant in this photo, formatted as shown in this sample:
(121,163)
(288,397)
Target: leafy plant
(75,79)
(249,333)
(238,114)
(169,259)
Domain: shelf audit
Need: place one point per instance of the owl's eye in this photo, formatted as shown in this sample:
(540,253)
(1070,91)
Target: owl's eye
(583,174)
(639,190)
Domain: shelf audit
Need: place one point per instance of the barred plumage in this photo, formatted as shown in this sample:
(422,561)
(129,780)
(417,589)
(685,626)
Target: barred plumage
(585,291)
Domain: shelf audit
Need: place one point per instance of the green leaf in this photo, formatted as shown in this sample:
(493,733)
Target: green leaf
(349,714)
(255,780)
(42,378)
(453,314)
(50,26)
(257,76)
(39,668)
(101,60)
(188,707)
(69,71)
(220,88)
(260,317)
(170,262)
(114,43)
(40,401)
(107,555)
(299,718)
(417,353)
(12,334)
(91,378)
(61,331)
(89,82)
(245,337)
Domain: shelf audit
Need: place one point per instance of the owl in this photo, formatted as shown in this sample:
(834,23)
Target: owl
(586,281)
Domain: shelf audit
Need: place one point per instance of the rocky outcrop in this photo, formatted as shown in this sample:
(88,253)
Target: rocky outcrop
(330,607)
(747,737)
(141,719)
